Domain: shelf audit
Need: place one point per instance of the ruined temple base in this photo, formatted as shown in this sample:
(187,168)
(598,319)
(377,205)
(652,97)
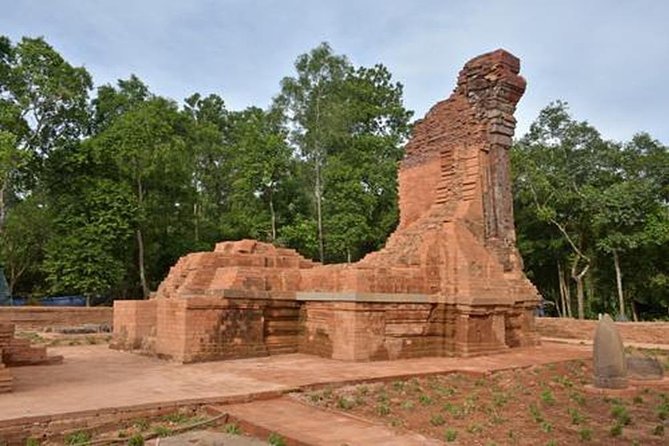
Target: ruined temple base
(448,281)
(19,352)
(343,326)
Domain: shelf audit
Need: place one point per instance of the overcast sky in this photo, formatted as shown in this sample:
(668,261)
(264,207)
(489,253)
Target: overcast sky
(608,59)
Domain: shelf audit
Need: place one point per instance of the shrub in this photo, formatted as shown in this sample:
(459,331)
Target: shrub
(344,403)
(536,414)
(547,396)
(620,414)
(162,431)
(136,440)
(275,439)
(616,430)
(577,398)
(585,434)
(437,420)
(450,435)
(383,409)
(407,405)
(425,400)
(576,417)
(78,439)
(232,428)
(546,427)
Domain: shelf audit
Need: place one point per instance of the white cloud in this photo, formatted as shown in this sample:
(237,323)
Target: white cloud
(607,59)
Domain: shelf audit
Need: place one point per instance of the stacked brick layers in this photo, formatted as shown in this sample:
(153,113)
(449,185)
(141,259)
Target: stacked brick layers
(448,282)
(19,352)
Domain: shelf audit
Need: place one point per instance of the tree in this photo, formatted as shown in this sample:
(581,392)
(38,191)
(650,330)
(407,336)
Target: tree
(348,125)
(555,164)
(629,214)
(43,102)
(11,159)
(93,227)
(598,205)
(22,241)
(208,140)
(259,165)
(310,102)
(146,147)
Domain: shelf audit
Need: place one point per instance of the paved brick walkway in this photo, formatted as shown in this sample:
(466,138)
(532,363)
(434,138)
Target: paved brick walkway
(97,378)
(300,424)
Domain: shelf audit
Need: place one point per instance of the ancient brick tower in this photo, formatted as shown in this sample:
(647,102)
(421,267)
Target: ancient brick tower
(448,282)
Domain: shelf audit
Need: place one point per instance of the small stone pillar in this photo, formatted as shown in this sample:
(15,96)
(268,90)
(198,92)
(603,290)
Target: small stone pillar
(610,367)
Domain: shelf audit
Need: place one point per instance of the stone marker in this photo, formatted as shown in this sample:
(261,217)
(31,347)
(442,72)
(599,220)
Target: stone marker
(610,367)
(644,368)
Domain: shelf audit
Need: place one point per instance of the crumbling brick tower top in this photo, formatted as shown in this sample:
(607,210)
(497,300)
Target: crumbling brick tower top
(456,236)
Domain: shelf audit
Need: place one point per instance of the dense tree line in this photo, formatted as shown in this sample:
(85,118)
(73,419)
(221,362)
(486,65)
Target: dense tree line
(101,190)
(593,217)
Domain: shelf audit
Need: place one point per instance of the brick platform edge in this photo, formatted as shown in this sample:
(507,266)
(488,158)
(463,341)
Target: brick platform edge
(17,431)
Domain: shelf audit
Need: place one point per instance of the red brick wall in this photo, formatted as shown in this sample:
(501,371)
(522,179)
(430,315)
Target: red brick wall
(39,318)
(134,323)
(644,332)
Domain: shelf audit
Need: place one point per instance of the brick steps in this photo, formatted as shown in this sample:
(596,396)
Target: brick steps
(18,352)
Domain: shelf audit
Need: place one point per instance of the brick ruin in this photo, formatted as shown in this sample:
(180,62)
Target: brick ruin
(448,282)
(18,352)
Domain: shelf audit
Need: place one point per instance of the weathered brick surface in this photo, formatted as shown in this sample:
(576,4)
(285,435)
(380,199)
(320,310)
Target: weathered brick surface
(18,352)
(134,324)
(455,243)
(41,318)
(638,332)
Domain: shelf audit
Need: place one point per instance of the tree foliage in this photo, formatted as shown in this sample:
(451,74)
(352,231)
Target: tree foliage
(584,201)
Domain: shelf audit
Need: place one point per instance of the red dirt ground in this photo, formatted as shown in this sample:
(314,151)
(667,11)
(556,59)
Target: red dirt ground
(543,405)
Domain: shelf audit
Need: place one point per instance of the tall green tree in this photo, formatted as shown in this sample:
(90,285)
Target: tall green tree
(312,104)
(555,165)
(22,243)
(348,125)
(593,207)
(259,165)
(43,102)
(145,145)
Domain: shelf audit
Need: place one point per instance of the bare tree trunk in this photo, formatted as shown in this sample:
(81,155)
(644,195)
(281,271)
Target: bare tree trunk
(635,316)
(273,216)
(2,204)
(140,245)
(567,296)
(140,260)
(196,221)
(619,285)
(561,288)
(580,298)
(564,287)
(578,278)
(319,213)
